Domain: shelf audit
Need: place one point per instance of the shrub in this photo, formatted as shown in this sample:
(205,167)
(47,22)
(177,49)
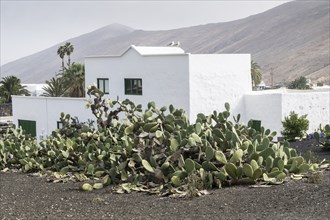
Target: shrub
(299,83)
(294,126)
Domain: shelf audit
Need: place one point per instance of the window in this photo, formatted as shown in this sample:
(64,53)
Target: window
(28,126)
(133,86)
(59,125)
(256,125)
(103,85)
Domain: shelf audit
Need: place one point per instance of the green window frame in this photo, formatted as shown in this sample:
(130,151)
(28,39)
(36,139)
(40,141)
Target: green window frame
(59,125)
(133,86)
(28,126)
(103,85)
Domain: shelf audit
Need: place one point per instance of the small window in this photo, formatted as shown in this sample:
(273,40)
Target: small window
(59,125)
(133,86)
(103,85)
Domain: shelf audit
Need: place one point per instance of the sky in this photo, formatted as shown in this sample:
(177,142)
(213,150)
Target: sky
(31,26)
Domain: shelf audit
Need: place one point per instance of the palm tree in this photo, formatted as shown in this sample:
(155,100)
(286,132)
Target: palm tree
(61,52)
(74,79)
(68,48)
(256,75)
(11,85)
(55,88)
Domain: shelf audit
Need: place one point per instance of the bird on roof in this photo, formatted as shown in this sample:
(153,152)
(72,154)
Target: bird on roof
(171,44)
(177,44)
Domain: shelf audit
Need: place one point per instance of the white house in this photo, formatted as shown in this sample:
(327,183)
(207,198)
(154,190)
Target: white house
(35,89)
(168,75)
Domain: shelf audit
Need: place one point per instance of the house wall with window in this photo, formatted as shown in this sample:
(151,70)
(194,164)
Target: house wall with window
(196,83)
(164,78)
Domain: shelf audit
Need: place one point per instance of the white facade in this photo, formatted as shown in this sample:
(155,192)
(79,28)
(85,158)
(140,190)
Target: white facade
(216,79)
(165,77)
(195,82)
(35,89)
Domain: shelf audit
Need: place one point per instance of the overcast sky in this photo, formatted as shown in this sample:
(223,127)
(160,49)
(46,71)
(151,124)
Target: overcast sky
(30,26)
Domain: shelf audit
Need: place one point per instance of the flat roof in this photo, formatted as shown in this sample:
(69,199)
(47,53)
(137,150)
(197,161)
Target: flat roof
(145,50)
(149,51)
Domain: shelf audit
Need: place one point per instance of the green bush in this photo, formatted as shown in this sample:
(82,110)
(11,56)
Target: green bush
(294,126)
(299,83)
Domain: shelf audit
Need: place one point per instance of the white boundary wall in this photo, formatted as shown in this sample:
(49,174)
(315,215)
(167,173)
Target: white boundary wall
(272,108)
(315,104)
(46,111)
(265,107)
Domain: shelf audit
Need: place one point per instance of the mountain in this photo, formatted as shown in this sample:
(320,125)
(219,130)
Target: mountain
(288,41)
(41,66)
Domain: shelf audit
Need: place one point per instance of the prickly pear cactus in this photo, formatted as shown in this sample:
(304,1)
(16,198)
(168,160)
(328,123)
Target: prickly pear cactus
(156,150)
(325,141)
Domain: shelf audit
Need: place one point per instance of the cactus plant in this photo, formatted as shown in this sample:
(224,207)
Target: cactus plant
(248,170)
(220,156)
(325,141)
(231,169)
(155,146)
(189,165)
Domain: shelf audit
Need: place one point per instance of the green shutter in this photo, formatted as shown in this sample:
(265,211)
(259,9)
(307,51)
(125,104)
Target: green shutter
(28,126)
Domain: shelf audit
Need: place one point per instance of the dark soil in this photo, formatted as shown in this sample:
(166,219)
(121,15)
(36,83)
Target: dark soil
(306,145)
(26,197)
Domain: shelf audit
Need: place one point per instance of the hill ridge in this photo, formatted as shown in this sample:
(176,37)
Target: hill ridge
(291,40)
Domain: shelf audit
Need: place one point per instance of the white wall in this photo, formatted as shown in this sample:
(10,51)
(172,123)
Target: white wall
(271,107)
(165,78)
(46,111)
(315,104)
(216,79)
(265,107)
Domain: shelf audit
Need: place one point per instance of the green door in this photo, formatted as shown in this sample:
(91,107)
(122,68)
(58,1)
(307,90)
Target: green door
(28,126)
(256,125)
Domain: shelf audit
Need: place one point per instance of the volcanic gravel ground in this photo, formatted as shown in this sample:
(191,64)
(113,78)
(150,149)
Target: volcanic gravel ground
(25,197)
